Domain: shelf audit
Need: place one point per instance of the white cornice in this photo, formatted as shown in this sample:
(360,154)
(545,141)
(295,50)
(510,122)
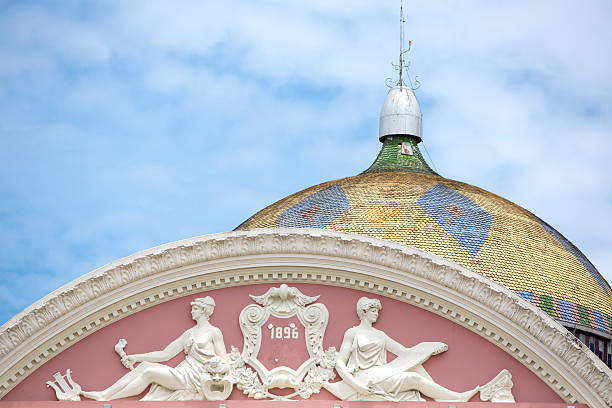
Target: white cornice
(389,269)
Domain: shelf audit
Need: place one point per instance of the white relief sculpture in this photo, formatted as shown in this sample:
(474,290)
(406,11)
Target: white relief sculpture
(119,349)
(203,375)
(283,302)
(366,375)
(65,388)
(208,373)
(498,389)
(24,339)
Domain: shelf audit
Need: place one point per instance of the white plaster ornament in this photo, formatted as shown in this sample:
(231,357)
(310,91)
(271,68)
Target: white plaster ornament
(285,302)
(203,375)
(367,376)
(383,268)
(65,388)
(119,349)
(208,373)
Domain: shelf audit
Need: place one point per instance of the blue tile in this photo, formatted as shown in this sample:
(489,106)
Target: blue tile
(462,218)
(567,311)
(600,323)
(528,296)
(317,210)
(576,253)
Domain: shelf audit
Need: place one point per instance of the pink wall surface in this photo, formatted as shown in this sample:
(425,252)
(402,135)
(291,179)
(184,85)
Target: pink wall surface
(470,360)
(281,404)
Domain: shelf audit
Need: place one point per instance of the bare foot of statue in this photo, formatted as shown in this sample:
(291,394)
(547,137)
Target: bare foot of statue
(92,395)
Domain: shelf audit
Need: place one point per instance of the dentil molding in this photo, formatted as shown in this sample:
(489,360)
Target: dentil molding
(381,267)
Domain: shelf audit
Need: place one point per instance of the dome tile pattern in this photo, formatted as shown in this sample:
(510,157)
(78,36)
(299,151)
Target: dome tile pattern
(577,254)
(569,312)
(317,210)
(458,215)
(459,222)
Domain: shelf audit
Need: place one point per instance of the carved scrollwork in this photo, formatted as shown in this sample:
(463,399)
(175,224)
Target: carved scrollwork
(314,318)
(251,319)
(499,389)
(284,302)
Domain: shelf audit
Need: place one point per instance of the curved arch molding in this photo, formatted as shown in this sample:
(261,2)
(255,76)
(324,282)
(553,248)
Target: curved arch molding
(301,255)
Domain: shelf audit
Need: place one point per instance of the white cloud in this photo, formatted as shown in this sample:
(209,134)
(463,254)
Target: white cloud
(126,125)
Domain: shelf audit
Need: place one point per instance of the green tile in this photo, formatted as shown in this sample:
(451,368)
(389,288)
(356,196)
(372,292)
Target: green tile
(546,304)
(583,316)
(390,159)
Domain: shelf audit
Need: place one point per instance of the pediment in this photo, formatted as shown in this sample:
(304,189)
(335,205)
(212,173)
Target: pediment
(327,264)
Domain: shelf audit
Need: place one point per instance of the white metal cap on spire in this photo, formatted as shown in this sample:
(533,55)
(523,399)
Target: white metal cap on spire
(400,114)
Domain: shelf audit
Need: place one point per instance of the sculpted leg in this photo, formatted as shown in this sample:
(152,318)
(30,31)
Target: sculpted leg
(435,391)
(135,382)
(121,383)
(421,370)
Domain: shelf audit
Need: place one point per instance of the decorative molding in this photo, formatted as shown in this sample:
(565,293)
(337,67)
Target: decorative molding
(284,302)
(498,389)
(388,269)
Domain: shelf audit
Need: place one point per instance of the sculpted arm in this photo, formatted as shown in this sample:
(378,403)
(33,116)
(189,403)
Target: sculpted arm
(219,344)
(341,360)
(393,346)
(163,355)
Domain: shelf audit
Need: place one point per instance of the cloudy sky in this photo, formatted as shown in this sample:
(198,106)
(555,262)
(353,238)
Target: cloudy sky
(126,125)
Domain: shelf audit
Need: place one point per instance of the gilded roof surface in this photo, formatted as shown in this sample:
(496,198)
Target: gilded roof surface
(462,223)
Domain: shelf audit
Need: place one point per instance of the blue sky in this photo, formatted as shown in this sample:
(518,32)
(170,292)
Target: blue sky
(126,125)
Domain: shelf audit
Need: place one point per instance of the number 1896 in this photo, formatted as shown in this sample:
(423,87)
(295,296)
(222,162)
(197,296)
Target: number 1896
(284,332)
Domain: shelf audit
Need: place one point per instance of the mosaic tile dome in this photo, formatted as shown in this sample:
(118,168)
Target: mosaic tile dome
(399,198)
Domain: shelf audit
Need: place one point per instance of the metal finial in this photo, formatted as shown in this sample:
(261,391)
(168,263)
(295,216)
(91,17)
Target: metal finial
(401,51)
(402,64)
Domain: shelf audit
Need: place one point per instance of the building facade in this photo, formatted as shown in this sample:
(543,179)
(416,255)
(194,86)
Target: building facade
(393,285)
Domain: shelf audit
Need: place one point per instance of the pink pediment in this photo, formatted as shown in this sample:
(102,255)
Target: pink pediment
(470,359)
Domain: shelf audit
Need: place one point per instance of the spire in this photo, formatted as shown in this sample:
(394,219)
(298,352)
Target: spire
(400,124)
(401,51)
(401,114)
(401,66)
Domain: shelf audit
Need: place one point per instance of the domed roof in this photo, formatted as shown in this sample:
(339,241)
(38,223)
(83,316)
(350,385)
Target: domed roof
(477,229)
(400,198)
